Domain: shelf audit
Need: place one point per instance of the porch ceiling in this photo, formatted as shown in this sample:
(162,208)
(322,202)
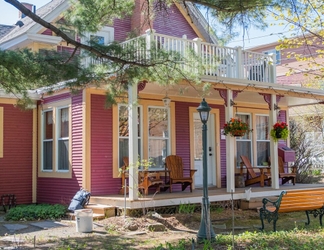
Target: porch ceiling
(249,95)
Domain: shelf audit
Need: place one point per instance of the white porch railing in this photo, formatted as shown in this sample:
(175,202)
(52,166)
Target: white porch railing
(216,60)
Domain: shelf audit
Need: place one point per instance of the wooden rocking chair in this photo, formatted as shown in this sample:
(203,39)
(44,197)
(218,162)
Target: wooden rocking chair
(175,165)
(285,177)
(252,177)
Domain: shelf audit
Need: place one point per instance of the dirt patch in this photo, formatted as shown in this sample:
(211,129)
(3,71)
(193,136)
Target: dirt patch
(146,232)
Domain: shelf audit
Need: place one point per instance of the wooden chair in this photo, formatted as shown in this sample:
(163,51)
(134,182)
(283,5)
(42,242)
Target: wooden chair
(252,177)
(175,165)
(146,178)
(285,177)
(124,175)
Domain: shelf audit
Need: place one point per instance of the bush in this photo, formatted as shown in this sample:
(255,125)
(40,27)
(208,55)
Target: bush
(36,212)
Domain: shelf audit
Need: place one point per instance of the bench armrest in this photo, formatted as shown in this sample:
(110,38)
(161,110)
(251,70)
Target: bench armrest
(266,202)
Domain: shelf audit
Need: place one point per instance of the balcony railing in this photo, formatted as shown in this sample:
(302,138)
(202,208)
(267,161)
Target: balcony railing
(217,60)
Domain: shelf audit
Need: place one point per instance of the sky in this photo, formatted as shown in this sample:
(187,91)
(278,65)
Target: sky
(9,15)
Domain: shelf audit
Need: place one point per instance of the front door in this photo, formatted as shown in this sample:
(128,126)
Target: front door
(198,151)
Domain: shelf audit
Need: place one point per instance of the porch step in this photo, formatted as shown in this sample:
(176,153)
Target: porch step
(103,210)
(99,211)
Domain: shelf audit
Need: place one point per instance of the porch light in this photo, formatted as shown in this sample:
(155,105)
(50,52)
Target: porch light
(166,101)
(204,110)
(206,231)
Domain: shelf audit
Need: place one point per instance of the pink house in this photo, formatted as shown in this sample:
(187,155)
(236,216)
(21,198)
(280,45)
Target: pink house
(68,141)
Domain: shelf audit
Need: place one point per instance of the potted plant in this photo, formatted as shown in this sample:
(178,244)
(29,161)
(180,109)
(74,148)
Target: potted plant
(236,127)
(279,131)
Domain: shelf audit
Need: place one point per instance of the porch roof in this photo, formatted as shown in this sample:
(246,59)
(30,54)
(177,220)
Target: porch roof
(249,92)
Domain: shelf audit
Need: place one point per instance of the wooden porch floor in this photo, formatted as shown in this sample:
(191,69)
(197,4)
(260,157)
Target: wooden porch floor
(175,198)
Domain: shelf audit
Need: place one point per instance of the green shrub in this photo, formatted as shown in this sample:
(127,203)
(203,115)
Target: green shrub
(36,212)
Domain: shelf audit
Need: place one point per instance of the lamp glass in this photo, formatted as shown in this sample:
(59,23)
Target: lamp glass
(166,101)
(204,110)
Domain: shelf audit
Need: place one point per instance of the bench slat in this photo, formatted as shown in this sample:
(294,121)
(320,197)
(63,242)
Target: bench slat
(310,201)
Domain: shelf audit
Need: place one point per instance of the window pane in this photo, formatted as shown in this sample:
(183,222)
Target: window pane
(123,121)
(158,122)
(262,127)
(243,148)
(63,154)
(246,119)
(64,122)
(157,152)
(123,149)
(48,140)
(48,125)
(97,39)
(47,155)
(263,152)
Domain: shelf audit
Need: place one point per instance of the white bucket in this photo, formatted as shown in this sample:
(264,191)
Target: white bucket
(248,194)
(83,220)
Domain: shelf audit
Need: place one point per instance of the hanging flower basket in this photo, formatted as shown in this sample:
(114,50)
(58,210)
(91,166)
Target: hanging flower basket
(279,131)
(235,127)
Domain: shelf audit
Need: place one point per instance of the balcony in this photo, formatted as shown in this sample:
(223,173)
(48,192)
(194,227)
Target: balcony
(220,61)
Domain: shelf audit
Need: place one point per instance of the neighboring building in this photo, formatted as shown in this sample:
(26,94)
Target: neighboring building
(73,141)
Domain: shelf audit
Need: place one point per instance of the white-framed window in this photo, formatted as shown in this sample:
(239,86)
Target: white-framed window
(262,140)
(244,143)
(158,135)
(276,52)
(55,138)
(153,137)
(102,37)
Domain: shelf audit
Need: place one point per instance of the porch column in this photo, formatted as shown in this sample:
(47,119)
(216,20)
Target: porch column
(230,146)
(239,63)
(133,141)
(273,145)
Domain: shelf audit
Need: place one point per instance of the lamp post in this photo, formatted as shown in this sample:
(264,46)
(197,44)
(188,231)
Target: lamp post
(206,231)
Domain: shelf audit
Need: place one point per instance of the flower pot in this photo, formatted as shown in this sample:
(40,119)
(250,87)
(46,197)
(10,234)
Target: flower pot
(278,134)
(238,133)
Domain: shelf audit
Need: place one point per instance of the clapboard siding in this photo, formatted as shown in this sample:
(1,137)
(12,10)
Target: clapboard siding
(172,23)
(61,190)
(102,181)
(16,164)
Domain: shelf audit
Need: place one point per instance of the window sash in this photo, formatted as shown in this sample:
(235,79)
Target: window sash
(244,143)
(263,139)
(123,133)
(63,155)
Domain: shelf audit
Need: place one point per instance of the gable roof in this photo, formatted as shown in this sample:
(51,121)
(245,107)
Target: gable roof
(21,36)
(5,29)
(47,12)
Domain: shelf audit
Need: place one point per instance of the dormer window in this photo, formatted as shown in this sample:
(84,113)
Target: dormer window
(103,37)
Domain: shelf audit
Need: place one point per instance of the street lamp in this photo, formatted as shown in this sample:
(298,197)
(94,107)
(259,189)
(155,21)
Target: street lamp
(206,231)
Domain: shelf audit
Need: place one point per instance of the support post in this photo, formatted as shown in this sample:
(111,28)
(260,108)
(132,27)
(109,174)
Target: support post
(273,146)
(230,145)
(133,141)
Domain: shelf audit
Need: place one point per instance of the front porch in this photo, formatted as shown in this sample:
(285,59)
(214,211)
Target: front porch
(176,198)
